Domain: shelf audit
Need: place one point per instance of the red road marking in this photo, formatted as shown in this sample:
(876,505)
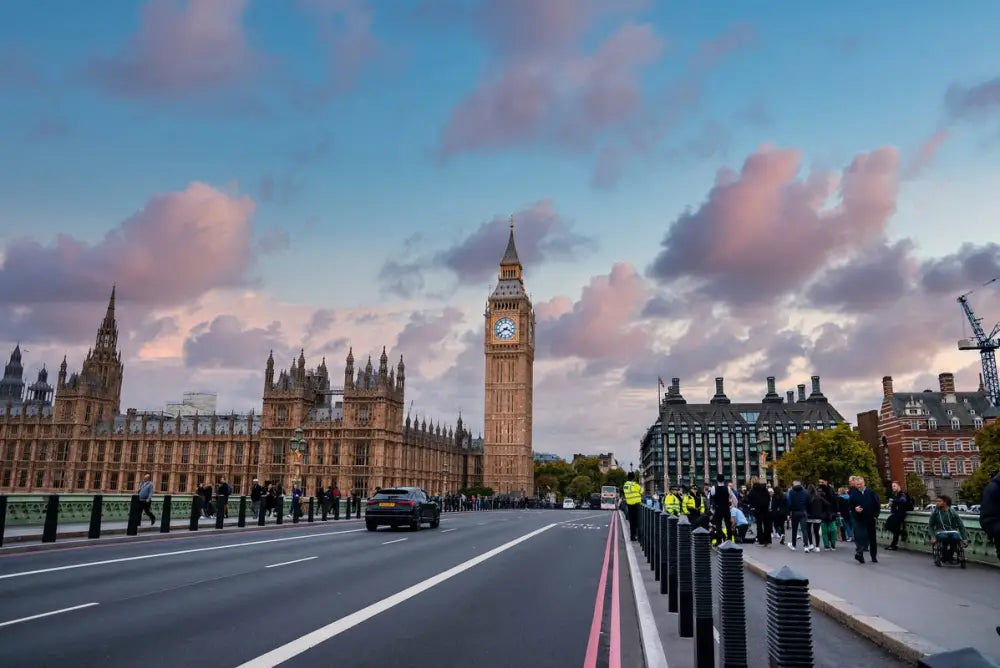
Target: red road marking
(590,659)
(615,658)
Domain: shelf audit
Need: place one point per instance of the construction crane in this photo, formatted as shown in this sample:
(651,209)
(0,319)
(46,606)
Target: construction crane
(986,344)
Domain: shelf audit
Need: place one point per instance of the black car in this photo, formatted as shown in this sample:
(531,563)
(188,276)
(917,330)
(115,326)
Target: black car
(595,501)
(399,506)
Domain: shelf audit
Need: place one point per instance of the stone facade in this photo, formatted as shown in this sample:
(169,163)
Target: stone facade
(83,443)
(932,434)
(509,347)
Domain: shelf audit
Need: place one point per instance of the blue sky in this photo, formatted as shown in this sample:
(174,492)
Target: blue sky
(333,118)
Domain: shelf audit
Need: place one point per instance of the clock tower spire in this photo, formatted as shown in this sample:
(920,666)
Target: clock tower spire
(509,347)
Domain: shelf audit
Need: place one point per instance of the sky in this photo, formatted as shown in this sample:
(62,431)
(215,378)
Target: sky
(743,190)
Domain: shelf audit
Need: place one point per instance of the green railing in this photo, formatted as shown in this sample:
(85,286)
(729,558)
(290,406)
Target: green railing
(917,537)
(29,509)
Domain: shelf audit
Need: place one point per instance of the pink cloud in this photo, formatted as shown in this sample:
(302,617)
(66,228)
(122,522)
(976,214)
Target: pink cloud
(345,28)
(926,154)
(763,232)
(197,47)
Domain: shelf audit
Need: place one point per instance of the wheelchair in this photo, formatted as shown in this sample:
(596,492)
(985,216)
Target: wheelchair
(958,554)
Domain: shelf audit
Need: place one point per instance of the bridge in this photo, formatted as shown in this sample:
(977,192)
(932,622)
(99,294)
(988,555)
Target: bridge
(492,587)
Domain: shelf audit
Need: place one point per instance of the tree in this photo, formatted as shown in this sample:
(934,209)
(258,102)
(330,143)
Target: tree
(917,490)
(581,487)
(588,466)
(832,454)
(615,478)
(988,440)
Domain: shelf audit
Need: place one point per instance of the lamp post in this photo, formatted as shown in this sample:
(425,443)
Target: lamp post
(444,479)
(298,445)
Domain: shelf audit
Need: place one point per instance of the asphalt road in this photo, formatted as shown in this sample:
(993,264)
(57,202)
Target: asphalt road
(509,588)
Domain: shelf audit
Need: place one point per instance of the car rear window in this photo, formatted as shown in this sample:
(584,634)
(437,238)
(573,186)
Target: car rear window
(392,493)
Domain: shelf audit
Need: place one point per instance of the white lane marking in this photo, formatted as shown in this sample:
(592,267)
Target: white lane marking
(47,614)
(174,553)
(446,530)
(310,640)
(652,646)
(286,563)
(390,542)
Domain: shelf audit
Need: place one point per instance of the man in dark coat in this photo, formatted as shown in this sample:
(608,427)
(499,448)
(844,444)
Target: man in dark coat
(901,504)
(865,509)
(989,512)
(760,500)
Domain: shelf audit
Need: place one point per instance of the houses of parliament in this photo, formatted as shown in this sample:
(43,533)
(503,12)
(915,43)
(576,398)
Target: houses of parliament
(74,438)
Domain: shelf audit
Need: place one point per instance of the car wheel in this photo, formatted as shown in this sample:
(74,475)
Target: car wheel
(371,526)
(436,522)
(415,523)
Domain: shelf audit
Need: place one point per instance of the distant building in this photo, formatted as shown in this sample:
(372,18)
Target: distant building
(651,459)
(39,396)
(604,462)
(193,403)
(546,458)
(703,440)
(932,434)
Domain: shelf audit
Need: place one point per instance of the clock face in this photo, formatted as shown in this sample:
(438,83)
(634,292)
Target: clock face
(504,329)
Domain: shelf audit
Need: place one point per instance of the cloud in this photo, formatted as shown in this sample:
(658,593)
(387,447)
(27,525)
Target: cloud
(872,279)
(179,50)
(736,37)
(321,321)
(600,326)
(177,247)
(280,190)
(659,306)
(345,30)
(968,268)
(762,232)
(425,332)
(226,343)
(925,155)
(542,83)
(541,235)
(977,101)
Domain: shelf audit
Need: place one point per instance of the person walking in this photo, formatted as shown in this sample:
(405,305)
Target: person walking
(989,513)
(901,504)
(632,492)
(844,519)
(256,493)
(815,512)
(828,528)
(720,503)
(798,507)
(146,499)
(779,512)
(760,500)
(865,509)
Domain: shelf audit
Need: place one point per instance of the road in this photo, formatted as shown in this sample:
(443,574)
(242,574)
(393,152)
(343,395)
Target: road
(487,589)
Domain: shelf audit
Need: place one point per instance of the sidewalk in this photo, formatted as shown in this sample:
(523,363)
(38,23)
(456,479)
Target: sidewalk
(947,606)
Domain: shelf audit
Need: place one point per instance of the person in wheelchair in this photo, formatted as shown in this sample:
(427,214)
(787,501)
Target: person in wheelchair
(946,528)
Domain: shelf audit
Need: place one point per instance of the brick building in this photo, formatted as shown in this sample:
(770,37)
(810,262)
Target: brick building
(80,441)
(932,434)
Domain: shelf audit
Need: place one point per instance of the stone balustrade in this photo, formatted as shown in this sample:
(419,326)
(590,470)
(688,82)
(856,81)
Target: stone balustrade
(29,509)
(918,537)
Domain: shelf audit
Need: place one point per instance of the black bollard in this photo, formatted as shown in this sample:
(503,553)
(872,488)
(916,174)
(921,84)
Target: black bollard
(281,510)
(967,657)
(51,519)
(220,511)
(701,581)
(96,508)
(165,514)
(789,619)
(672,596)
(262,511)
(336,509)
(685,620)
(647,512)
(3,516)
(312,509)
(654,543)
(195,512)
(134,516)
(732,607)
(357,507)
(664,572)
(324,510)
(241,521)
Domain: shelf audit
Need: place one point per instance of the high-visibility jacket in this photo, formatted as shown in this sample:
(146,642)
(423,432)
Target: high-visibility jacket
(672,504)
(691,506)
(633,492)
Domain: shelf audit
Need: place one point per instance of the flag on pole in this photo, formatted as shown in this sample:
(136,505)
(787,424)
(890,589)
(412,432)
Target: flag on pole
(661,381)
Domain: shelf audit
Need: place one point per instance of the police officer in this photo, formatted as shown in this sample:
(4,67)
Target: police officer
(633,497)
(672,504)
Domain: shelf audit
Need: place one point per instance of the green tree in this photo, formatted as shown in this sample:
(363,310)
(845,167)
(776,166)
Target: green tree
(588,466)
(917,490)
(581,487)
(615,477)
(831,454)
(988,441)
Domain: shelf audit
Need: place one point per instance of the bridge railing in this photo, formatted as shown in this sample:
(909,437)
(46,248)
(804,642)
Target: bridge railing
(916,536)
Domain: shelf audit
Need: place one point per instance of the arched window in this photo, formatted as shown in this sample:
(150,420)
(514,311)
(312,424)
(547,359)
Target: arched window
(918,465)
(945,466)
(960,466)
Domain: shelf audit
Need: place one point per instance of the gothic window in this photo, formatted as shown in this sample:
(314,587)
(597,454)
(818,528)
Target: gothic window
(238,454)
(22,478)
(58,479)
(282,415)
(86,416)
(62,452)
(186,453)
(113,481)
(118,452)
(168,454)
(96,480)
(151,453)
(84,454)
(39,478)
(130,481)
(203,453)
(81,479)
(43,452)
(133,453)
(220,455)
(277,451)
(164,482)
(182,482)
(101,452)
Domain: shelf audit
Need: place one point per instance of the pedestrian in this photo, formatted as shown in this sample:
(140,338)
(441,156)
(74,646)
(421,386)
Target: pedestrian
(946,527)
(632,491)
(989,513)
(844,519)
(742,524)
(828,529)
(720,504)
(146,499)
(760,500)
(901,504)
(779,512)
(798,507)
(865,509)
(256,493)
(815,512)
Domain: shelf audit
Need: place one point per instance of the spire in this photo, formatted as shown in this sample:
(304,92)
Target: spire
(510,255)
(109,317)
(107,335)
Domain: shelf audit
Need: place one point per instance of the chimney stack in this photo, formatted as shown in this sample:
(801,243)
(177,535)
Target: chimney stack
(770,385)
(791,396)
(887,387)
(675,386)
(802,392)
(718,386)
(772,396)
(815,384)
(947,383)
(720,392)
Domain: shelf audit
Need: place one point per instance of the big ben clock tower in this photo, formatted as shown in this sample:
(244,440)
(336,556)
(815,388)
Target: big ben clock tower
(509,347)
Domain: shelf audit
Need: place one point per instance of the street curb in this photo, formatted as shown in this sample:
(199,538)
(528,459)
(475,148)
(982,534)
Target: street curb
(895,639)
(652,644)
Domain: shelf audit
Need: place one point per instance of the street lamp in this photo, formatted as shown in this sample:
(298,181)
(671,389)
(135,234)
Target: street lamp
(444,478)
(299,446)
